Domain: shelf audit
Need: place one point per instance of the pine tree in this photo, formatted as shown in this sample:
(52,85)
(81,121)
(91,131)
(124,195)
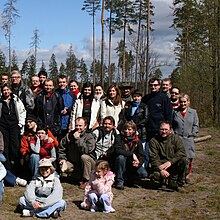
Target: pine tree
(14,61)
(31,66)
(92,6)
(25,70)
(35,42)
(71,63)
(9,15)
(62,69)
(43,67)
(53,70)
(84,74)
(3,68)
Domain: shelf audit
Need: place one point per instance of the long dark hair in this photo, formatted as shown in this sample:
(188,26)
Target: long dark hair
(85,85)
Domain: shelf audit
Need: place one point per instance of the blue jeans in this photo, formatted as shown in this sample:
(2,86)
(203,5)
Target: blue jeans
(34,160)
(46,212)
(1,189)
(104,201)
(120,168)
(10,179)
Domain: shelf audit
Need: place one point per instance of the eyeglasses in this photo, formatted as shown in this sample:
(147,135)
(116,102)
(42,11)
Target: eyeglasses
(154,85)
(175,93)
(15,77)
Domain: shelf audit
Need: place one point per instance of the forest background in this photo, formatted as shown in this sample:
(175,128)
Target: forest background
(197,51)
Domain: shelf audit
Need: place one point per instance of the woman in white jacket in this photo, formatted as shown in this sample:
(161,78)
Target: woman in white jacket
(113,104)
(12,121)
(86,106)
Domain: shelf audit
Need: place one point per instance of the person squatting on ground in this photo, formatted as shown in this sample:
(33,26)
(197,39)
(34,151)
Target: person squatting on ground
(43,195)
(98,191)
(129,156)
(78,148)
(167,157)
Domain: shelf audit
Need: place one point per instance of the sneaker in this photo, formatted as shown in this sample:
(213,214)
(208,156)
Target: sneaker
(27,213)
(92,210)
(21,182)
(55,214)
(111,210)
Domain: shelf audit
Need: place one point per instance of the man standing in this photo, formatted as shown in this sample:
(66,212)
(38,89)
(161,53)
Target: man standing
(22,91)
(166,86)
(77,147)
(35,85)
(167,157)
(48,108)
(126,91)
(68,101)
(42,77)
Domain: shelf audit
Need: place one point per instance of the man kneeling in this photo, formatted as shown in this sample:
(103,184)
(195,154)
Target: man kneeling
(167,157)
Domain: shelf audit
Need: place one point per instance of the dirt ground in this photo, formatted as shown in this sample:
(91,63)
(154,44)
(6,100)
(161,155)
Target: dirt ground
(199,200)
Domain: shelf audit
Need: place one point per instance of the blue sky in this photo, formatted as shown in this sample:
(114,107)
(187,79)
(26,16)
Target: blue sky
(62,22)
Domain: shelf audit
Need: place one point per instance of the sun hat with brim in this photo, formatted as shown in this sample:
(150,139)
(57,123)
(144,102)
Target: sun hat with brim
(45,162)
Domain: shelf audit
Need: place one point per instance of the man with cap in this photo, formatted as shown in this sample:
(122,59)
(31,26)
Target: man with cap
(27,154)
(125,88)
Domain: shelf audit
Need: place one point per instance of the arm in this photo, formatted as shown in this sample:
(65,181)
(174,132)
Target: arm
(154,154)
(195,127)
(56,143)
(55,196)
(29,99)
(63,147)
(35,145)
(103,111)
(24,149)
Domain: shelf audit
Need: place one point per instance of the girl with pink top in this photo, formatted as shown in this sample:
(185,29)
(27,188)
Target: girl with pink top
(98,191)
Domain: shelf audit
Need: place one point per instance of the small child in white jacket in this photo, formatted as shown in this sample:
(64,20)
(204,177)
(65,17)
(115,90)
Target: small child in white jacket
(98,191)
(43,196)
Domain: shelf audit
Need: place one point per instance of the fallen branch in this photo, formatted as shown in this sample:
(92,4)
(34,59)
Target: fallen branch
(203,138)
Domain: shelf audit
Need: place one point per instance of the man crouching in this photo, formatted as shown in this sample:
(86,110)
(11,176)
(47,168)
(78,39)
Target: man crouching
(167,157)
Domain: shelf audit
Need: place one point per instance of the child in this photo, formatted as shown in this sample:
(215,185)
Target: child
(98,191)
(43,196)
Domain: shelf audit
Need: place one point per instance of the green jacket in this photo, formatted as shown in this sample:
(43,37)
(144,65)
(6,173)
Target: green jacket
(162,150)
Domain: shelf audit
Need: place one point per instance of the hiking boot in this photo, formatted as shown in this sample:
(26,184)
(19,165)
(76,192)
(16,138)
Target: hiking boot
(172,185)
(119,186)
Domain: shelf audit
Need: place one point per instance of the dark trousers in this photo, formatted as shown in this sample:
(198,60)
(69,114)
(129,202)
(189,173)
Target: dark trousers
(11,136)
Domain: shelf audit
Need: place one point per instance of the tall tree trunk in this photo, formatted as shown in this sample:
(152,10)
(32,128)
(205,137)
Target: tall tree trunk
(124,52)
(103,43)
(93,41)
(109,49)
(148,47)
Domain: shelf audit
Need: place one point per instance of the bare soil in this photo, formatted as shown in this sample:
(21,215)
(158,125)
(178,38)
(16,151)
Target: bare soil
(199,200)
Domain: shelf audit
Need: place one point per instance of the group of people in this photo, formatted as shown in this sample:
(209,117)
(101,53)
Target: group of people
(86,133)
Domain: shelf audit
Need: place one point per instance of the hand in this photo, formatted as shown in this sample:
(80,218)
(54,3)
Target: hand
(135,162)
(50,140)
(37,205)
(76,135)
(62,161)
(164,173)
(64,111)
(165,165)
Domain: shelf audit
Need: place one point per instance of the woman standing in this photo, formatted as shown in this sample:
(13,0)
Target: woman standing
(186,125)
(12,121)
(86,106)
(113,104)
(74,88)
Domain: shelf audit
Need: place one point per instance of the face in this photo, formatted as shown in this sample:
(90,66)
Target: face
(137,98)
(166,86)
(35,81)
(87,91)
(112,93)
(6,92)
(165,130)
(41,134)
(44,171)
(99,173)
(175,93)
(30,124)
(48,86)
(126,91)
(42,79)
(129,132)
(73,86)
(62,83)
(98,90)
(154,86)
(80,125)
(108,125)
(4,79)
(184,103)
(15,78)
